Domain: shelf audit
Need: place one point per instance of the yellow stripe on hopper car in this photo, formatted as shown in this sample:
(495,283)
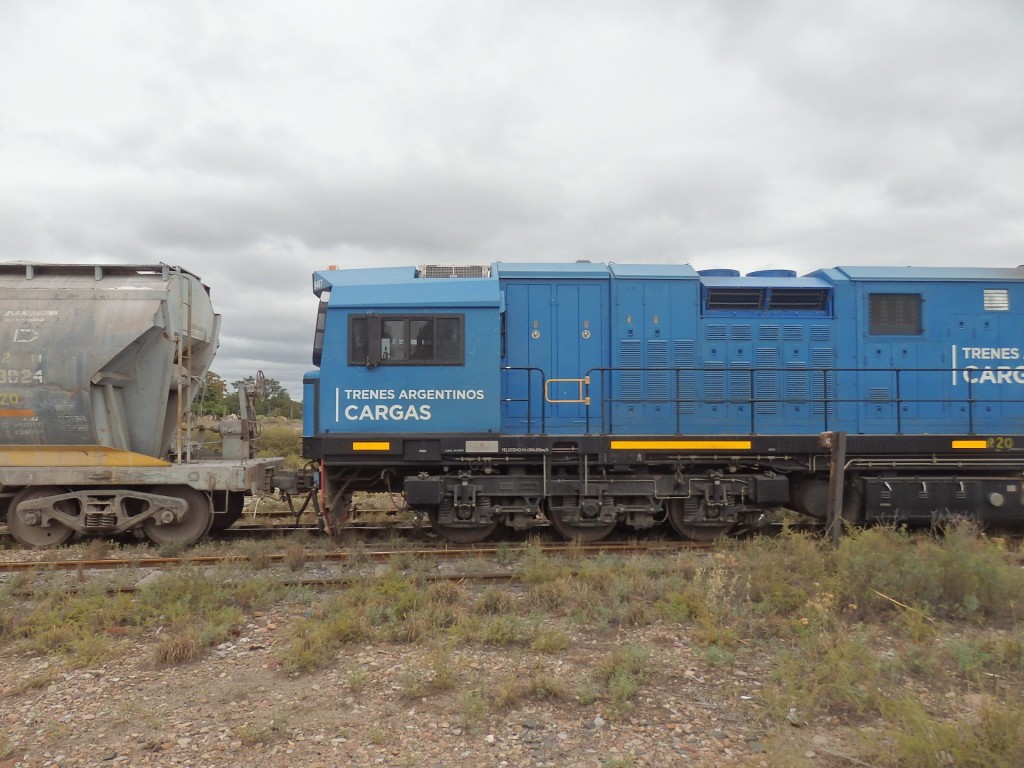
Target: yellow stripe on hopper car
(970,443)
(680,445)
(74,456)
(371,446)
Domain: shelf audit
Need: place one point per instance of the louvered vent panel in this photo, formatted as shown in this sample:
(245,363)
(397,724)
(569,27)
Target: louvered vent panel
(766,393)
(766,381)
(685,352)
(686,391)
(768,333)
(878,394)
(997,300)
(739,381)
(767,357)
(798,385)
(793,332)
(657,374)
(657,385)
(714,382)
(630,353)
(822,391)
(631,385)
(657,353)
(716,332)
(821,333)
(822,357)
(631,358)
(740,333)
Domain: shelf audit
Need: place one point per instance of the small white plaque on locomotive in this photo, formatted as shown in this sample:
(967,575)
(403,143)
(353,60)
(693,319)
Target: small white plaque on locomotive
(481,446)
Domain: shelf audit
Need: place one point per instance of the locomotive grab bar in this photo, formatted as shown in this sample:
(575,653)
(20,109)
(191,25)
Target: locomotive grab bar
(580,398)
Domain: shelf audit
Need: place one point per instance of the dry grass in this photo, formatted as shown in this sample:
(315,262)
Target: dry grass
(847,631)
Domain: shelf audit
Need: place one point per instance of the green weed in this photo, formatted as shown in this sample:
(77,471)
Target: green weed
(472,707)
(263,733)
(992,738)
(550,640)
(537,685)
(836,670)
(622,673)
(378,734)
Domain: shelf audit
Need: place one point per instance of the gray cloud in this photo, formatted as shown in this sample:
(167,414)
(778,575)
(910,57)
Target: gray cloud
(254,143)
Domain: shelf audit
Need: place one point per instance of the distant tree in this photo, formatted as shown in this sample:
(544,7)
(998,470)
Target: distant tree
(211,395)
(276,401)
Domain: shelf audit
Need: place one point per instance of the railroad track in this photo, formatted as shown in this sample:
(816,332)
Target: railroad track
(369,530)
(243,531)
(354,556)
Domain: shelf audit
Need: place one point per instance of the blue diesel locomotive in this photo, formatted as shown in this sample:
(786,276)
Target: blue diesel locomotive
(629,394)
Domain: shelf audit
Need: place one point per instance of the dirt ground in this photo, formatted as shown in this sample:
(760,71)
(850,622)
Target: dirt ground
(380,704)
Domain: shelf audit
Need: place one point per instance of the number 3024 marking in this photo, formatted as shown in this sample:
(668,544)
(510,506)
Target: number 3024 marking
(20,376)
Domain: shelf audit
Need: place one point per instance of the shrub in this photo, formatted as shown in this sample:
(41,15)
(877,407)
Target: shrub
(283,441)
(992,738)
(830,669)
(537,685)
(958,576)
(622,673)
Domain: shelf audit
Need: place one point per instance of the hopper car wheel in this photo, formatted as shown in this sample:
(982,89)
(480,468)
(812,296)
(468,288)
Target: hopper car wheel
(575,531)
(38,536)
(233,511)
(461,534)
(695,531)
(193,525)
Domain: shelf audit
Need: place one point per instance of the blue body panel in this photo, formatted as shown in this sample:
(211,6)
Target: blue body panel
(410,398)
(664,350)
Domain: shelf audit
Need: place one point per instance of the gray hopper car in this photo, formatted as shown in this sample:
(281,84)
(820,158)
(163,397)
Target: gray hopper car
(98,368)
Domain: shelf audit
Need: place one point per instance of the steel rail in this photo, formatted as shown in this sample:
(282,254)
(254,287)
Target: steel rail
(352,555)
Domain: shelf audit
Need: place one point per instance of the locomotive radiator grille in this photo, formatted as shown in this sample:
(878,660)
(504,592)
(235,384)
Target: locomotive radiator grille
(444,271)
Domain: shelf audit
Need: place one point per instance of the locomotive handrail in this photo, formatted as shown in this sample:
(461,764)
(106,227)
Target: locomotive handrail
(530,370)
(818,380)
(581,383)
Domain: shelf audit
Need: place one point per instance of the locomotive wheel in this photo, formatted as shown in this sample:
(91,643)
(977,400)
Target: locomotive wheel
(191,527)
(582,533)
(461,534)
(694,531)
(38,536)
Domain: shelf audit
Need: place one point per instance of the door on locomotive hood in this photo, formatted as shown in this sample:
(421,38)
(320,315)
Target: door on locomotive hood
(554,339)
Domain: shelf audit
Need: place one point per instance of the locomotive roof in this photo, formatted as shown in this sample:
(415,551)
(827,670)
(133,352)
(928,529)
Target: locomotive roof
(583,269)
(400,286)
(586,269)
(986,274)
(396,285)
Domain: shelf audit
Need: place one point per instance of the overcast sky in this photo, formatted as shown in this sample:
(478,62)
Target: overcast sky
(254,142)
